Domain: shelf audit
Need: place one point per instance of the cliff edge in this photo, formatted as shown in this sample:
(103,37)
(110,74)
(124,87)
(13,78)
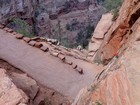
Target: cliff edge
(118,82)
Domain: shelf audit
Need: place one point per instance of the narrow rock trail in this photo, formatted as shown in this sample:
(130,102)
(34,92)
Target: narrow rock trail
(46,69)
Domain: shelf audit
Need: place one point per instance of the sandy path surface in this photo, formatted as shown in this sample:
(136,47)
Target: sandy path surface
(45,68)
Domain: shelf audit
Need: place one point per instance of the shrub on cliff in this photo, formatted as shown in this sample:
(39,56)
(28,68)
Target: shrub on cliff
(113,5)
(21,27)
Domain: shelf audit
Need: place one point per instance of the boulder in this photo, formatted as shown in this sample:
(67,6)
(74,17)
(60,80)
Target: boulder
(27,84)
(9,93)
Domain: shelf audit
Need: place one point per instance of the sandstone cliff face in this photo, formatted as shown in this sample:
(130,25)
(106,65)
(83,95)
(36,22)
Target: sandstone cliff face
(118,83)
(99,34)
(119,32)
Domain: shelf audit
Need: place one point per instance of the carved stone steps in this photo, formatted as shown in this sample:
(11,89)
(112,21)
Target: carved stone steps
(54,54)
(8,30)
(74,66)
(19,36)
(62,57)
(32,43)
(38,44)
(26,39)
(14,33)
(68,62)
(44,48)
(56,51)
(79,70)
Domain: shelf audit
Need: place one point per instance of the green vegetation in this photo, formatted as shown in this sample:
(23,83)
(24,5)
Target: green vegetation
(72,26)
(22,27)
(113,5)
(89,30)
(40,9)
(116,14)
(98,103)
(93,87)
(47,101)
(68,27)
(83,36)
(65,42)
(58,31)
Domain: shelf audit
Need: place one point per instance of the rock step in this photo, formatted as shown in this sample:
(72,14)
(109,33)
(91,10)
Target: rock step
(14,33)
(54,54)
(26,39)
(80,70)
(44,48)
(63,58)
(32,43)
(68,62)
(74,66)
(38,45)
(8,30)
(19,36)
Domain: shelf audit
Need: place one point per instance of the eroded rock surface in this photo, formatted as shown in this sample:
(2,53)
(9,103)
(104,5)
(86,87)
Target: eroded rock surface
(99,33)
(9,93)
(119,32)
(118,82)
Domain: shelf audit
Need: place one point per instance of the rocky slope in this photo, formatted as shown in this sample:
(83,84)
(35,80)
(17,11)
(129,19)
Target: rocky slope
(43,17)
(118,83)
(116,46)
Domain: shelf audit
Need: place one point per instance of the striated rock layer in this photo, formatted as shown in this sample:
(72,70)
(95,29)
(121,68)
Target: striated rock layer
(119,32)
(99,33)
(118,82)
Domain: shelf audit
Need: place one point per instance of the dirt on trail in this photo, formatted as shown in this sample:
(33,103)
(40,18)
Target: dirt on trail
(46,69)
(45,95)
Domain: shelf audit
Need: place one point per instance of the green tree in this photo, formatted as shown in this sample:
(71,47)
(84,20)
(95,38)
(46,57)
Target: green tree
(90,30)
(59,31)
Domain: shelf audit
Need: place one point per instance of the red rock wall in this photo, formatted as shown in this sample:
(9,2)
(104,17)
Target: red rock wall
(120,31)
